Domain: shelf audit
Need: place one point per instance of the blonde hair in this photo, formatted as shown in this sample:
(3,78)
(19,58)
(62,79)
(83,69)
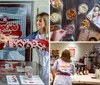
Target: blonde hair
(45,18)
(66,56)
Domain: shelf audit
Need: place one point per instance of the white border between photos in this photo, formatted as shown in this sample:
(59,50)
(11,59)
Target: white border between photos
(74,42)
(49,40)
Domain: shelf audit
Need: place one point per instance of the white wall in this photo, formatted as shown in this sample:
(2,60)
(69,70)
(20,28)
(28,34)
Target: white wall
(40,6)
(80,48)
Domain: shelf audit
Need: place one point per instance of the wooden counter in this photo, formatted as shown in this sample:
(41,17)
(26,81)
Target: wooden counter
(85,80)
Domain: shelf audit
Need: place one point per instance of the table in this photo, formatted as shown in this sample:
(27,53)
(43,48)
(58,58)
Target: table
(85,80)
(93,30)
(35,77)
(67,4)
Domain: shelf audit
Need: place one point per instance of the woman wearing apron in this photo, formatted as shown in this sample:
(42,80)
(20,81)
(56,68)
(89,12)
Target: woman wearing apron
(40,38)
(62,69)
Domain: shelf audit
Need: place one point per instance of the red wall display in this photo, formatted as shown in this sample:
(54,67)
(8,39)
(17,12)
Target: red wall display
(16,18)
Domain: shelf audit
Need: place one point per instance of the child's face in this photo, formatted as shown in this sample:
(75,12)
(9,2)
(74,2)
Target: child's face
(40,24)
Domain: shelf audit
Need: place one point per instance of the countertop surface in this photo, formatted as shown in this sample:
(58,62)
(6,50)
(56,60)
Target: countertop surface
(68,4)
(85,79)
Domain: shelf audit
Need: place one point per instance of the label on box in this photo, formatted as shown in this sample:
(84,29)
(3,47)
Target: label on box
(6,66)
(12,79)
(34,80)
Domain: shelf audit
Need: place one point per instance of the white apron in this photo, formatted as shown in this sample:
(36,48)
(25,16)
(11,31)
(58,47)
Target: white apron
(43,62)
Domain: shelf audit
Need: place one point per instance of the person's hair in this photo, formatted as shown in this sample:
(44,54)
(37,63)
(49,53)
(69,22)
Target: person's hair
(45,18)
(65,56)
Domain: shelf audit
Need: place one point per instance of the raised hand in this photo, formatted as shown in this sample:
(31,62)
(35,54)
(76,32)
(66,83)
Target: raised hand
(4,38)
(58,35)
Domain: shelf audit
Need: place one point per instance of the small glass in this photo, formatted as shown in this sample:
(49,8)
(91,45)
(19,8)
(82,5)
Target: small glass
(71,14)
(23,64)
(21,68)
(56,4)
(28,72)
(83,8)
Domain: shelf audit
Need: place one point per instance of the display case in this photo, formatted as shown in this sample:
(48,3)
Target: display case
(19,72)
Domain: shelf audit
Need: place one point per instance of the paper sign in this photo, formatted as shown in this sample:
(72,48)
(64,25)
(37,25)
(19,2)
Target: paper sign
(34,80)
(12,79)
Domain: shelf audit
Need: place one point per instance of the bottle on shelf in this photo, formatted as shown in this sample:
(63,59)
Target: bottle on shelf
(80,71)
(77,69)
(86,70)
(83,70)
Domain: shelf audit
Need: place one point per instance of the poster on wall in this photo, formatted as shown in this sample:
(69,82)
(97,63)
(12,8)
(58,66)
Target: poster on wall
(72,51)
(15,18)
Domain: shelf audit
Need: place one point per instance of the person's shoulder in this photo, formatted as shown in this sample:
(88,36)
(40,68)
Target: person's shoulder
(72,63)
(35,32)
(32,35)
(60,60)
(57,60)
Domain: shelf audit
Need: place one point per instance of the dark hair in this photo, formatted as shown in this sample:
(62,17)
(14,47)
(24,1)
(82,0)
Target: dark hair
(92,38)
(66,56)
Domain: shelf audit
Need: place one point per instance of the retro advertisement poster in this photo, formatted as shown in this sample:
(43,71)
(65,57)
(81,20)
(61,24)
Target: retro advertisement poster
(72,51)
(15,18)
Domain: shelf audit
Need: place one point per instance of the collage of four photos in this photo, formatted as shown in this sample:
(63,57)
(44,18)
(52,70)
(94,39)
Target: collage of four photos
(50,42)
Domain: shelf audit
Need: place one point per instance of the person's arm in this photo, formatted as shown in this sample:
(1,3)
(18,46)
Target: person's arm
(54,68)
(73,69)
(26,43)
(31,36)
(58,35)
(53,72)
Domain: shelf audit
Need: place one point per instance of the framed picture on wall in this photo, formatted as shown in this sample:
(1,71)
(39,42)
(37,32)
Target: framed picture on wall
(16,21)
(72,51)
